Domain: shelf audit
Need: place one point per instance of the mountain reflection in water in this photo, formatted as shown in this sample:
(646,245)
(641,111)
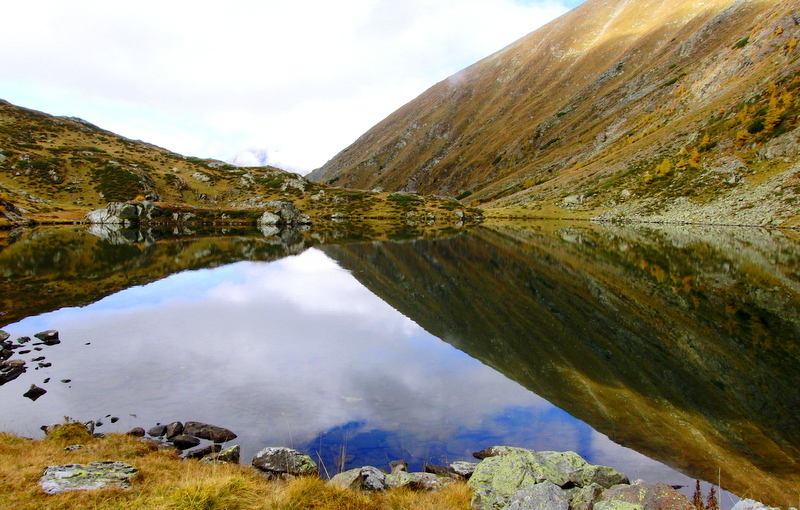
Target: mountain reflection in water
(679,344)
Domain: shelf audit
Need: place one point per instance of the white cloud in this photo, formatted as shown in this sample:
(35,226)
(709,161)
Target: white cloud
(299,79)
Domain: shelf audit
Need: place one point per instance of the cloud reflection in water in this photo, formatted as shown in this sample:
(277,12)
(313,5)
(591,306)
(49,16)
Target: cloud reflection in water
(294,352)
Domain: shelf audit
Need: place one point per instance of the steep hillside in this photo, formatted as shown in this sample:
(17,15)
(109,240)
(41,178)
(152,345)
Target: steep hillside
(49,163)
(628,108)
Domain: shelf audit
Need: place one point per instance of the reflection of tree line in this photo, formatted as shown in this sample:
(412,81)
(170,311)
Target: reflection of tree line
(647,343)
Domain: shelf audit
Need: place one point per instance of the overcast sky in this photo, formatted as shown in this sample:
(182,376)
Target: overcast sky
(301,80)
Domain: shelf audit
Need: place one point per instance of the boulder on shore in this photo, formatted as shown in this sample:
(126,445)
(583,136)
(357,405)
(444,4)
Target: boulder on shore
(125,213)
(96,475)
(507,470)
(282,213)
(281,462)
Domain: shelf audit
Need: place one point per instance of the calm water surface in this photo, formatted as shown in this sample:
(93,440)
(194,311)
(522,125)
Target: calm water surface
(300,350)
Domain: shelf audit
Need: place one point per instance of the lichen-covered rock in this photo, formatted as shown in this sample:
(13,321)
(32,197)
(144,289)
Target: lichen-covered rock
(278,461)
(543,496)
(506,470)
(600,475)
(657,496)
(228,455)
(585,497)
(77,477)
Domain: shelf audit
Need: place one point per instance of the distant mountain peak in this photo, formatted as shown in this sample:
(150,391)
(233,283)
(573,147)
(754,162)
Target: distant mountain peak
(250,158)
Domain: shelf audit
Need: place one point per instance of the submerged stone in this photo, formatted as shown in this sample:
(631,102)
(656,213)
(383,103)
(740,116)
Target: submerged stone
(34,392)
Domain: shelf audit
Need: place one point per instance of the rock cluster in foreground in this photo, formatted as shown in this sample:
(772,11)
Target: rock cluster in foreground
(505,478)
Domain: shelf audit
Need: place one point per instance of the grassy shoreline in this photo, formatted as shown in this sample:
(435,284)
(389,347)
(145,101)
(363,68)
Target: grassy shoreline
(165,481)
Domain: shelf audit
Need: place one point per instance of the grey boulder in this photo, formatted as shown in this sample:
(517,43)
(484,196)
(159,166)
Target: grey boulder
(364,479)
(77,477)
(280,462)
(210,432)
(543,496)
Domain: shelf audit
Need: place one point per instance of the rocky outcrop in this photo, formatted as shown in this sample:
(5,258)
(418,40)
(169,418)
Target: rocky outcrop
(125,213)
(77,477)
(542,496)
(657,496)
(282,462)
(282,213)
(506,470)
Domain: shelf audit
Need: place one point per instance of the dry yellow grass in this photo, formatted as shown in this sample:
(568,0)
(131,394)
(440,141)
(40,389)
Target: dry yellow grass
(165,482)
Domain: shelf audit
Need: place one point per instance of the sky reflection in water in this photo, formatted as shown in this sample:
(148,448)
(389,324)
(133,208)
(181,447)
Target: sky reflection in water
(294,352)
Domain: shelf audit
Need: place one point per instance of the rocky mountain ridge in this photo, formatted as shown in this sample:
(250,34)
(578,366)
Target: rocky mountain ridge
(623,109)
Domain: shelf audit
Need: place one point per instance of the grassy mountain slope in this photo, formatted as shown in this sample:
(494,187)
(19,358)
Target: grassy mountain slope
(623,107)
(57,168)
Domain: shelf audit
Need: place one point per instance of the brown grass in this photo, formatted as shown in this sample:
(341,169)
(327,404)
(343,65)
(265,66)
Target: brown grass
(165,482)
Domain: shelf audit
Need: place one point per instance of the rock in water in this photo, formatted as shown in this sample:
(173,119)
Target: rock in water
(206,431)
(184,442)
(157,431)
(96,475)
(49,337)
(174,429)
(276,462)
(34,392)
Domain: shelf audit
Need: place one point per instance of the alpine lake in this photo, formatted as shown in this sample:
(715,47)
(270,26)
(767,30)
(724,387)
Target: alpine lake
(670,353)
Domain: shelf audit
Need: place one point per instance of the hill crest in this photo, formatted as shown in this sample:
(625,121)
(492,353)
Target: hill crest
(579,115)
